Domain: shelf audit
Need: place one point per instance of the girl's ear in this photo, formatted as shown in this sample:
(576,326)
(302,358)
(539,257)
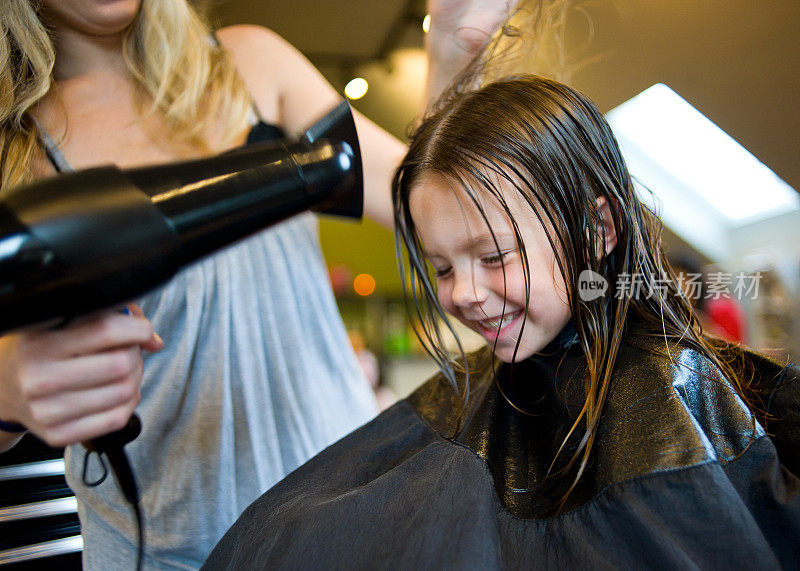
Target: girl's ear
(605,227)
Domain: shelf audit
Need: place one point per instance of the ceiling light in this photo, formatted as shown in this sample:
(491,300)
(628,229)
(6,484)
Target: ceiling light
(661,128)
(426,23)
(356,88)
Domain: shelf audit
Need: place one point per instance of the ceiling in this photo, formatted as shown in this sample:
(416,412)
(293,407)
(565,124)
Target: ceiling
(737,61)
(322,29)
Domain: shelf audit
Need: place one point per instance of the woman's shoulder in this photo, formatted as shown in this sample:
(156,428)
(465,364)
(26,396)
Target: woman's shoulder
(287,89)
(260,57)
(249,37)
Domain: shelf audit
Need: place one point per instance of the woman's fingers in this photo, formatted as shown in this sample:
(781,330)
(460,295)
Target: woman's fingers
(475,20)
(108,389)
(100,332)
(155,343)
(76,382)
(88,426)
(81,373)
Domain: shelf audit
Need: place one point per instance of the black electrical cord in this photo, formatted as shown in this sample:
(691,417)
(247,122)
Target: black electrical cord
(137,511)
(113,447)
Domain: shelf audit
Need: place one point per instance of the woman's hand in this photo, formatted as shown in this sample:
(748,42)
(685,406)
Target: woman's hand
(459,30)
(71,384)
(466,24)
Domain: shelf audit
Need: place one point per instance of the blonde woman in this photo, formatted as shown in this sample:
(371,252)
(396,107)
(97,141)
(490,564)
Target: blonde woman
(253,375)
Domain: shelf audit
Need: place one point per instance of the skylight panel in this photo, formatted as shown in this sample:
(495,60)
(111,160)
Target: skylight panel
(705,159)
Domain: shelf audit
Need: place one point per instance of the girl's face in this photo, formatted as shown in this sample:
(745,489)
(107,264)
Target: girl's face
(93,17)
(482,284)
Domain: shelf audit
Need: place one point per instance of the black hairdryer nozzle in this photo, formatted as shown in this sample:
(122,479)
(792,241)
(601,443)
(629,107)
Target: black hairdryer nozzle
(339,125)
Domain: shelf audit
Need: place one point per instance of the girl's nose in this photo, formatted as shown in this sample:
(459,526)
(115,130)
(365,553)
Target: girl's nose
(468,291)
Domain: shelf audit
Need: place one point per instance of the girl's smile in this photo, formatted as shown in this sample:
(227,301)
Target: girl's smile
(499,325)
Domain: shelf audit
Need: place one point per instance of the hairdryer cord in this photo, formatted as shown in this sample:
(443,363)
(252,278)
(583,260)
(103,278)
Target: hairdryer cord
(112,446)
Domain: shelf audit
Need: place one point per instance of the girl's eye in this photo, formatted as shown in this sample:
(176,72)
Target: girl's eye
(496,259)
(441,273)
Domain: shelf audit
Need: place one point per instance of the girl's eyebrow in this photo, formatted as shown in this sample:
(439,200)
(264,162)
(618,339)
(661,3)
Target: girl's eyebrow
(477,242)
(486,240)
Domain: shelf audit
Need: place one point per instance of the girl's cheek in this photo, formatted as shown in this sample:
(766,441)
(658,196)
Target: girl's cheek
(508,281)
(443,292)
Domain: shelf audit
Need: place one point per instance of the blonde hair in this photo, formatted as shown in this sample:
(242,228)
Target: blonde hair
(28,56)
(186,78)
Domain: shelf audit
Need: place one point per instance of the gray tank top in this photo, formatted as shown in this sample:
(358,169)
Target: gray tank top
(257,375)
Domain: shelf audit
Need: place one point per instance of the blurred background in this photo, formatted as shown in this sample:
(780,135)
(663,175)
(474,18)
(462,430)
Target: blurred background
(687,85)
(732,219)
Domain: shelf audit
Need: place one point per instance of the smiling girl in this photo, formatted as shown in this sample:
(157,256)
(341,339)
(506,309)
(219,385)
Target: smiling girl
(592,431)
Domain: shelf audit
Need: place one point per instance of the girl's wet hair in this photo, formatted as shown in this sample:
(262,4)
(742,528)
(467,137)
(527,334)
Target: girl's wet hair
(550,143)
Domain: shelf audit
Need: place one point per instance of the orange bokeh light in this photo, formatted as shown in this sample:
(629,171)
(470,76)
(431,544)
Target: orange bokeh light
(364,284)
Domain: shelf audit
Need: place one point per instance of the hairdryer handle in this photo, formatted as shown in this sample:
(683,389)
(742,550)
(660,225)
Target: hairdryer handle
(112,445)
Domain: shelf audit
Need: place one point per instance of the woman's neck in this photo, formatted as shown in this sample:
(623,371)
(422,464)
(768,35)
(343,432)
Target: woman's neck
(79,54)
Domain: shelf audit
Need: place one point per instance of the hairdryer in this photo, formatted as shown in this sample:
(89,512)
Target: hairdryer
(96,238)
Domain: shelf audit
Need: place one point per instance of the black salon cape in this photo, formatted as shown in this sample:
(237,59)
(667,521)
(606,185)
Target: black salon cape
(677,481)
